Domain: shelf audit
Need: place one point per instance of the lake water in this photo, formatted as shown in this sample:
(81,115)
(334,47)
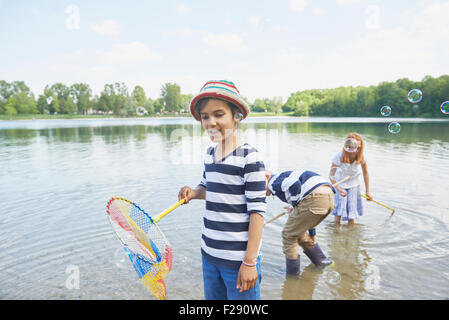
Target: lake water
(57,175)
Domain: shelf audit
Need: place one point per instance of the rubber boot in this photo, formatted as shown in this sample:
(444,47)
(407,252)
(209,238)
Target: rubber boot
(317,256)
(292,266)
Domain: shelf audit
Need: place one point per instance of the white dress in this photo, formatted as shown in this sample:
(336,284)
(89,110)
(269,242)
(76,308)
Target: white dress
(349,207)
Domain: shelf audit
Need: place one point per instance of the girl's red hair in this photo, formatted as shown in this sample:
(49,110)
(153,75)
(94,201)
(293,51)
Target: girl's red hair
(346,156)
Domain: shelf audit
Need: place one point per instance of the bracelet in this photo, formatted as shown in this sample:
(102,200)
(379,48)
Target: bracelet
(249,265)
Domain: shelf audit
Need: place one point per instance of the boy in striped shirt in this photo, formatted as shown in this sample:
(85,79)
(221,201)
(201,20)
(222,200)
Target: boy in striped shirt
(233,186)
(312,200)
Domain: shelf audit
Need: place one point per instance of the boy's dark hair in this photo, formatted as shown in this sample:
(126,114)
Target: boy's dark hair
(233,107)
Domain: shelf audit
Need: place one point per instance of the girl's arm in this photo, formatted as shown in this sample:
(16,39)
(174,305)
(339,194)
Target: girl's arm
(366,179)
(247,277)
(332,173)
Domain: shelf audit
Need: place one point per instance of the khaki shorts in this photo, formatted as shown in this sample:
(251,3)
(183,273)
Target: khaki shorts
(307,214)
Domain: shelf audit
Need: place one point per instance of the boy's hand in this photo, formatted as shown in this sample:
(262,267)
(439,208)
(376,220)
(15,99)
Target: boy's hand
(289,209)
(186,193)
(368,196)
(247,278)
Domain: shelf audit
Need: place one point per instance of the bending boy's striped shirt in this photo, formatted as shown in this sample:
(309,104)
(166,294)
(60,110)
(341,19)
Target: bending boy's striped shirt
(293,186)
(235,189)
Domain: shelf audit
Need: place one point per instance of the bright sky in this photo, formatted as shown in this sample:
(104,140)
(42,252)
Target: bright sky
(267,48)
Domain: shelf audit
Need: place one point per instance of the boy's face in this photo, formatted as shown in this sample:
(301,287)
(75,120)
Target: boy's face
(217,120)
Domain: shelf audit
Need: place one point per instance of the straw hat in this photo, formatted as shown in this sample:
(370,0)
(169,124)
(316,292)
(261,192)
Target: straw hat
(219,89)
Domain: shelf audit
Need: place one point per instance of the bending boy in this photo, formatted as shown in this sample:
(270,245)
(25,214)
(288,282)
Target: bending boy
(312,199)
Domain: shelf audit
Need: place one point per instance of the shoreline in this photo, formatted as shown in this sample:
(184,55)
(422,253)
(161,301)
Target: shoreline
(169,117)
(249,119)
(104,117)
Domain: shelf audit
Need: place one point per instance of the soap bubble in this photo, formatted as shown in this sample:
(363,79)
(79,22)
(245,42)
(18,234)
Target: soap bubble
(140,111)
(121,259)
(394,127)
(351,145)
(445,107)
(333,277)
(415,96)
(385,111)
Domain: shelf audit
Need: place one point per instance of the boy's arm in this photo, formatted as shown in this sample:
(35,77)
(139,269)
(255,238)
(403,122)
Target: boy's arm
(247,277)
(199,192)
(188,193)
(255,192)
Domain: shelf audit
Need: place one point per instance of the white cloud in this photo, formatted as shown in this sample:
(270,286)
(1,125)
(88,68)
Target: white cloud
(318,11)
(289,58)
(228,42)
(279,28)
(297,5)
(429,22)
(182,8)
(108,28)
(128,53)
(409,49)
(348,2)
(254,21)
(412,45)
(184,32)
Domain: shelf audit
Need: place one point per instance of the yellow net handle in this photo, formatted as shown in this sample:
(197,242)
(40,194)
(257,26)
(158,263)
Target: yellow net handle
(393,210)
(167,211)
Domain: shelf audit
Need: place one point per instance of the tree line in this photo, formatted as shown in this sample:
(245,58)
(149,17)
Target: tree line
(366,101)
(116,98)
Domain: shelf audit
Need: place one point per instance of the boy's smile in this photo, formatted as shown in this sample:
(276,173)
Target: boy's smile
(217,120)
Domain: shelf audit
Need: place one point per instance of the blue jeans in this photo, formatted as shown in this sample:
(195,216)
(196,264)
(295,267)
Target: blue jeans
(220,283)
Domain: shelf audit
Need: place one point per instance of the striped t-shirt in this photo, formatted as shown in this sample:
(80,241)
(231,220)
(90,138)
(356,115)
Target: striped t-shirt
(293,186)
(235,188)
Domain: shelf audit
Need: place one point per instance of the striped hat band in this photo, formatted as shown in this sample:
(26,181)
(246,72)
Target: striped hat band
(222,90)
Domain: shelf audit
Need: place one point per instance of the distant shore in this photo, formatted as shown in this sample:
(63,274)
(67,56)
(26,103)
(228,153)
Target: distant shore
(173,116)
(110,116)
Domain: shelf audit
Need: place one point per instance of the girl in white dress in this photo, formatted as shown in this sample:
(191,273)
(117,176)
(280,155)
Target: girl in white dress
(351,161)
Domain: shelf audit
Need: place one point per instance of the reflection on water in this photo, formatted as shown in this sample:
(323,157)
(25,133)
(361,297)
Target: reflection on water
(415,132)
(345,280)
(57,177)
(351,259)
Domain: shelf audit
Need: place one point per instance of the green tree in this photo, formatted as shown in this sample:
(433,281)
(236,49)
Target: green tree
(171,94)
(259,106)
(139,95)
(129,107)
(10,110)
(81,94)
(159,105)
(60,101)
(113,98)
(185,102)
(276,105)
(5,93)
(149,106)
(16,97)
(42,105)
(22,103)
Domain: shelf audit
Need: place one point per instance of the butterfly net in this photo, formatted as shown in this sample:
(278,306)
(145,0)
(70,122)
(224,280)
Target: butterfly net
(144,242)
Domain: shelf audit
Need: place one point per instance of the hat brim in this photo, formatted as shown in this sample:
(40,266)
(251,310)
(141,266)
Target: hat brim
(221,95)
